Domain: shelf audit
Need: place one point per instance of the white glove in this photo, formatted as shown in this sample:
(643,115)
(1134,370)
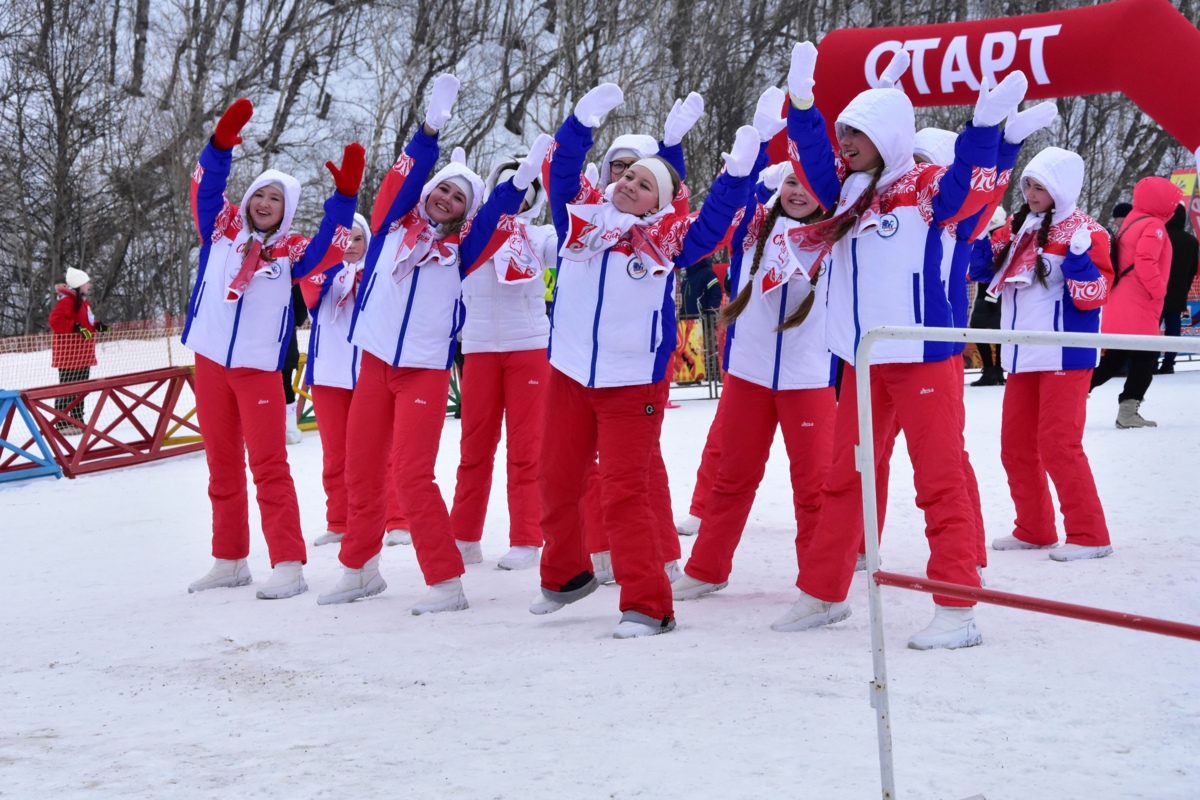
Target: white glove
(895,69)
(441,100)
(592,107)
(1081,241)
(592,173)
(741,157)
(682,117)
(766,114)
(772,176)
(531,166)
(800,75)
(993,106)
(1023,124)
(458,156)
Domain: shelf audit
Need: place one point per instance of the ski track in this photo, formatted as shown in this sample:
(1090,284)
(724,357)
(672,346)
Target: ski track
(117,683)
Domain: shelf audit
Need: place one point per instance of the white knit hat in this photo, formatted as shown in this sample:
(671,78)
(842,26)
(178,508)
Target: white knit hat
(76,277)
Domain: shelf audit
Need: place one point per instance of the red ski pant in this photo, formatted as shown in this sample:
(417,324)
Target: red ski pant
(660,502)
(969,482)
(241,410)
(622,424)
(710,459)
(806,417)
(398,411)
(496,388)
(332,405)
(923,401)
(1042,432)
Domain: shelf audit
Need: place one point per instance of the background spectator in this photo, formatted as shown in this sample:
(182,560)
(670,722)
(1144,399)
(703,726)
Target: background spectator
(73,350)
(1185,255)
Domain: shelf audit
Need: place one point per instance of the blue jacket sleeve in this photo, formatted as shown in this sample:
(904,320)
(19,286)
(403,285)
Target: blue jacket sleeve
(339,211)
(981,261)
(401,191)
(726,196)
(1079,267)
(208,194)
(761,194)
(504,199)
(958,194)
(673,155)
(807,131)
(573,140)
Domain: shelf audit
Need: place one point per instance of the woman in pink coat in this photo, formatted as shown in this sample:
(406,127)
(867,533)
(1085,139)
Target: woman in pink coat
(1135,300)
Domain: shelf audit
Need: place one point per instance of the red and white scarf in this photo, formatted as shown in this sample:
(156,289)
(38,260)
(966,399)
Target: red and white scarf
(253,263)
(596,227)
(421,245)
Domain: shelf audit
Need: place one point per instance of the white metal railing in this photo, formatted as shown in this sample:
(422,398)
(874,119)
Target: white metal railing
(864,459)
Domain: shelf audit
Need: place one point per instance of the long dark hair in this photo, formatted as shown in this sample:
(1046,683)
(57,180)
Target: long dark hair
(734,308)
(1043,236)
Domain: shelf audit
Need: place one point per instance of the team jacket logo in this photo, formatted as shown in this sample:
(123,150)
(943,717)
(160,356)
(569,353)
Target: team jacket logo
(888,225)
(636,269)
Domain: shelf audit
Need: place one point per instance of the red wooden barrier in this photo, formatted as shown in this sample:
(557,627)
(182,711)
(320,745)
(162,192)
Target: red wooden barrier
(101,445)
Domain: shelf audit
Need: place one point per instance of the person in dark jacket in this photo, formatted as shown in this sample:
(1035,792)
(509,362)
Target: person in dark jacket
(1185,256)
(291,362)
(701,290)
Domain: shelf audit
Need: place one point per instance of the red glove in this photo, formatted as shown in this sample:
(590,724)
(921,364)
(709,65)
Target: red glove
(348,178)
(231,123)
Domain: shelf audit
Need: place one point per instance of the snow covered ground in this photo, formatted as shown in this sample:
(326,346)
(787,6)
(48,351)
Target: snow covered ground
(116,682)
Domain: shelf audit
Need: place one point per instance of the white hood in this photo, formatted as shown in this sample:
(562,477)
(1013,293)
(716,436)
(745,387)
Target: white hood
(291,199)
(935,145)
(641,144)
(360,222)
(539,197)
(1061,172)
(454,170)
(886,117)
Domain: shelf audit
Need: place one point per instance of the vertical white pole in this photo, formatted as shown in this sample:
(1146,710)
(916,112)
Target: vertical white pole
(864,456)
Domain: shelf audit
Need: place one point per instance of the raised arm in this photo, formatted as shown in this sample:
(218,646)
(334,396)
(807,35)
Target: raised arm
(729,194)
(210,210)
(325,250)
(571,146)
(481,240)
(681,119)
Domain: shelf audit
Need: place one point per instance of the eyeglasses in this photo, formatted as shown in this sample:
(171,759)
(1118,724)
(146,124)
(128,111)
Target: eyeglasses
(617,168)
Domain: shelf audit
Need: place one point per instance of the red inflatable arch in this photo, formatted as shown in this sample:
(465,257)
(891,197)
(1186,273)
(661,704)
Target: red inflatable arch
(1143,48)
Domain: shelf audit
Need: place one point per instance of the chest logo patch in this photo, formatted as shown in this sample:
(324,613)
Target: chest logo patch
(888,225)
(636,269)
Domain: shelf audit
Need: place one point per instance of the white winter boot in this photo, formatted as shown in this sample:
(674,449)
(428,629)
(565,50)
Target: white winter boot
(328,537)
(444,596)
(287,580)
(226,572)
(951,629)
(398,536)
(1078,552)
(602,567)
(635,625)
(520,557)
(688,525)
(689,588)
(860,563)
(294,435)
(547,601)
(472,552)
(1013,543)
(809,612)
(673,571)
(355,584)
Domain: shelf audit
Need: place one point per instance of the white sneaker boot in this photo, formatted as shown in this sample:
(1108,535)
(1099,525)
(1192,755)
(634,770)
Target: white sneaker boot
(398,536)
(287,580)
(328,537)
(444,596)
(226,572)
(1078,552)
(602,567)
(293,432)
(809,612)
(635,625)
(1013,543)
(860,563)
(547,601)
(520,557)
(472,552)
(689,588)
(951,629)
(688,525)
(673,571)
(355,584)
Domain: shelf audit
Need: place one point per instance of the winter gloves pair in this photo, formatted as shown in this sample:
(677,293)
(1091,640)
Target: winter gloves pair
(591,109)
(347,178)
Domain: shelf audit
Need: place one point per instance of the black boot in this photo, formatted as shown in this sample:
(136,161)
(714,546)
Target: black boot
(987,377)
(1000,376)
